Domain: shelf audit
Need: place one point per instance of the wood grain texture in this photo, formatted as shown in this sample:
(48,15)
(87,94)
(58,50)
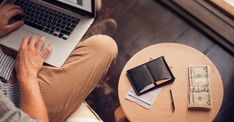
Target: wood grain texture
(208,18)
(198,15)
(216,11)
(225,6)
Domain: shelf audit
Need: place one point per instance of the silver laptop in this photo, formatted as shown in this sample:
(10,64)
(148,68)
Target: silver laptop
(62,22)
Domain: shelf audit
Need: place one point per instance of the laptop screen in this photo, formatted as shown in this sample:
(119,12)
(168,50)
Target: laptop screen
(82,4)
(78,6)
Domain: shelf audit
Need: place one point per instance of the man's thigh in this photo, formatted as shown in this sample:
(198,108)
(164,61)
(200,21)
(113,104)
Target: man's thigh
(65,88)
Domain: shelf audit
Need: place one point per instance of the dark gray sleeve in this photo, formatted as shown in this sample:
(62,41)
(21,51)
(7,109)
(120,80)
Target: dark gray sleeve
(9,113)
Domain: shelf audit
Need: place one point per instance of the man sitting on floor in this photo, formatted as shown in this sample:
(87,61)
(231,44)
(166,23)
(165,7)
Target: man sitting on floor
(45,92)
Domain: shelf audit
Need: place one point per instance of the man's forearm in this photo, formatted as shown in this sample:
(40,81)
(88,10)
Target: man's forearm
(31,100)
(29,62)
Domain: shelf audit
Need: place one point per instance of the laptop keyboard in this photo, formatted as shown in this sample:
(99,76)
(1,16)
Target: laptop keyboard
(47,20)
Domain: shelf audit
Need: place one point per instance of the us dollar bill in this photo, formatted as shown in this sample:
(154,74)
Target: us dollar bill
(200,95)
(200,99)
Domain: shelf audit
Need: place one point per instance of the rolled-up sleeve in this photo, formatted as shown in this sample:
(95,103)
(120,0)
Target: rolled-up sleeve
(9,113)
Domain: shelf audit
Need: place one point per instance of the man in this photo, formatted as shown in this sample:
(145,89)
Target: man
(50,93)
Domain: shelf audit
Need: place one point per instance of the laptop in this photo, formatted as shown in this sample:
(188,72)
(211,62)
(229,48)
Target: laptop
(62,22)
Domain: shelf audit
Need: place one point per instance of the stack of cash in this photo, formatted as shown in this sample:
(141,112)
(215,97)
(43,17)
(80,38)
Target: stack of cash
(199,87)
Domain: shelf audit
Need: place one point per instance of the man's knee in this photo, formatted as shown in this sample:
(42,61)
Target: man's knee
(103,44)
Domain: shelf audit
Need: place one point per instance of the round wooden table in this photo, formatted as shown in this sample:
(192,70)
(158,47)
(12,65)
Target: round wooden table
(178,57)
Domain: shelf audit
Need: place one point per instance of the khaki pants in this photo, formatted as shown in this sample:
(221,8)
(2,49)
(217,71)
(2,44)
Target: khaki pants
(64,88)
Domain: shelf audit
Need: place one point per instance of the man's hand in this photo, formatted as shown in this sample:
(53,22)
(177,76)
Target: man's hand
(6,13)
(30,58)
(28,63)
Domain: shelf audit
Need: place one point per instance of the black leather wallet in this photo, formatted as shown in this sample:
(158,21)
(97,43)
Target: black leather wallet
(150,75)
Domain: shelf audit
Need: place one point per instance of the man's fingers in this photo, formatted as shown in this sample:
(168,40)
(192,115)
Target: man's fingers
(32,41)
(13,26)
(24,42)
(40,42)
(13,13)
(9,7)
(47,51)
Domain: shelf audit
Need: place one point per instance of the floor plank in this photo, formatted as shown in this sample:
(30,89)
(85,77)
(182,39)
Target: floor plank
(196,40)
(224,63)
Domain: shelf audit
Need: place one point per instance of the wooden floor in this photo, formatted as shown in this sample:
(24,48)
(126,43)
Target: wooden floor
(145,22)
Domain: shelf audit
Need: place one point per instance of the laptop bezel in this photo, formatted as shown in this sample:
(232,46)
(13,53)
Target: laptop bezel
(74,9)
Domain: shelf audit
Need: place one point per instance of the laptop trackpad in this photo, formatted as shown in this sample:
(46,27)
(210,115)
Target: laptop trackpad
(17,37)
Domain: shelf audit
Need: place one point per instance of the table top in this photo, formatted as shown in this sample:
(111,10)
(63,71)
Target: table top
(179,57)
